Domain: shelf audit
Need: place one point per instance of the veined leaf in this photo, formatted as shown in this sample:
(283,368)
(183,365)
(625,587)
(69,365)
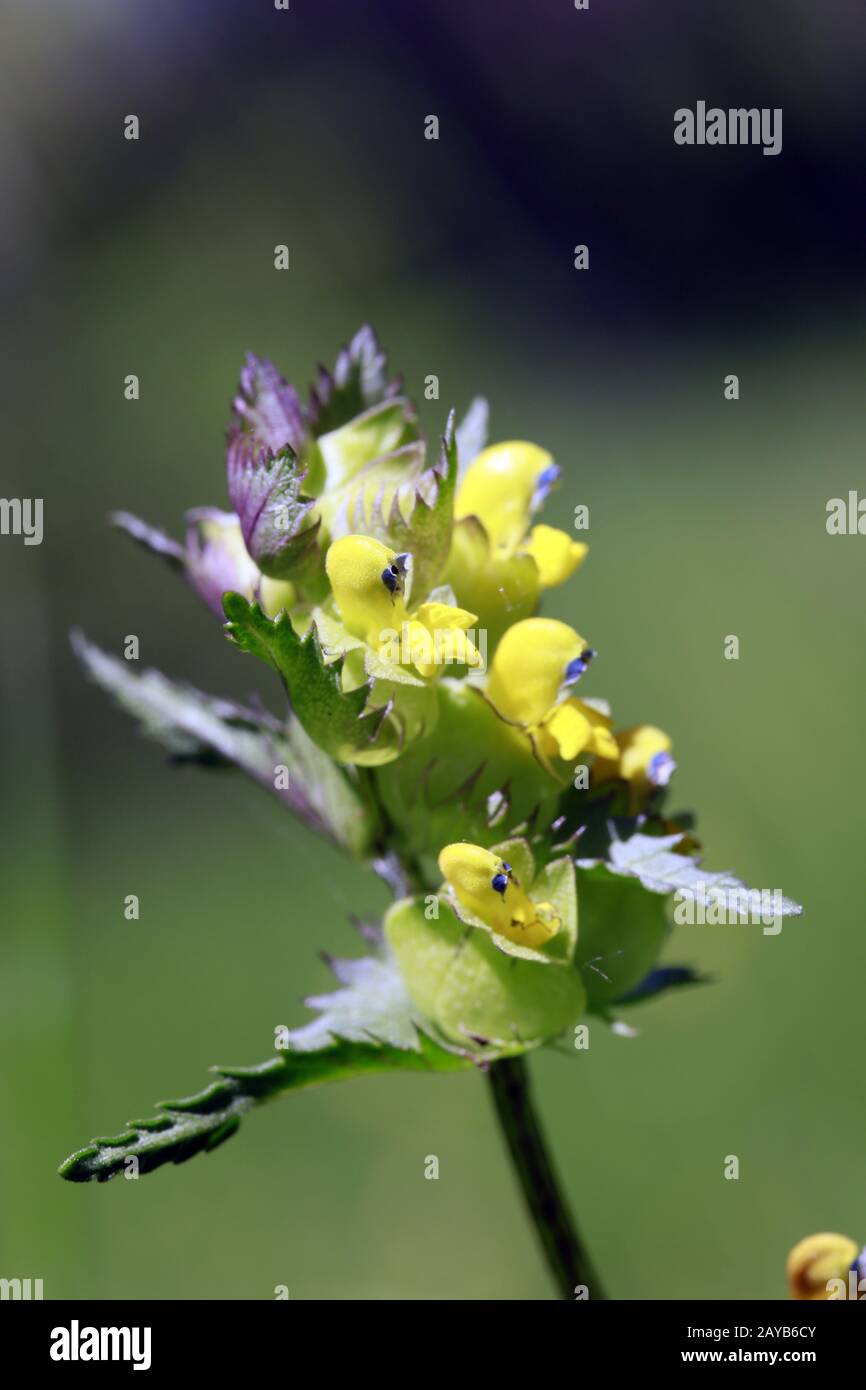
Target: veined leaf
(198,728)
(213,559)
(373,1004)
(653,860)
(339,722)
(422,522)
(267,410)
(278,521)
(200,1123)
(370,1025)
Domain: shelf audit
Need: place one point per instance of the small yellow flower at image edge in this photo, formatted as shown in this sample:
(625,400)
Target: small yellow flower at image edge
(819,1268)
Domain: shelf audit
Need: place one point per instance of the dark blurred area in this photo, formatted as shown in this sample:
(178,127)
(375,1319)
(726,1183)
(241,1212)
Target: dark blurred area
(556,126)
(155,257)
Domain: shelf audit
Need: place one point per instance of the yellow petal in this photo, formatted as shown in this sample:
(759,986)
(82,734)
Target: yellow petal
(441,615)
(602,742)
(530,669)
(570,730)
(555,553)
(470,870)
(418,648)
(577,727)
(369,609)
(644,758)
(503,487)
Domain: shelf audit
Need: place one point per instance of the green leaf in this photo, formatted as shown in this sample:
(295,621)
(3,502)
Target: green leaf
(200,1123)
(422,521)
(622,930)
(342,723)
(373,1005)
(473,777)
(370,1025)
(557,885)
(395,498)
(661,980)
(198,728)
(653,860)
(353,453)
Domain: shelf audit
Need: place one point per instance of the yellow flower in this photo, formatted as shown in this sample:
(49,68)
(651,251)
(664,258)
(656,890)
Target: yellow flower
(645,761)
(486,887)
(536,665)
(368,581)
(497,565)
(818,1260)
(504,487)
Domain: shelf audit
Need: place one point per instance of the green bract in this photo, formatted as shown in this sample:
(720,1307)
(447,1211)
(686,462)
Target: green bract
(464,984)
(622,928)
(347,725)
(473,777)
(472,983)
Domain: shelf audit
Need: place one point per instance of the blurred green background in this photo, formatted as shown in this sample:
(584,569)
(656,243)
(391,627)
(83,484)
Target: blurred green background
(707,518)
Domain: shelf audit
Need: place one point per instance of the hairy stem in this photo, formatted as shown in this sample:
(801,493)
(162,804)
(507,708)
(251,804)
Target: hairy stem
(566,1256)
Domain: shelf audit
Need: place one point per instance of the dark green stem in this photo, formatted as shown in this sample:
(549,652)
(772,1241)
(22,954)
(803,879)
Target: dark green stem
(566,1257)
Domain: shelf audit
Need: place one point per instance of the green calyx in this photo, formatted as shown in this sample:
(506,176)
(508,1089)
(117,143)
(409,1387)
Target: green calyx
(472,991)
(475,986)
(473,777)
